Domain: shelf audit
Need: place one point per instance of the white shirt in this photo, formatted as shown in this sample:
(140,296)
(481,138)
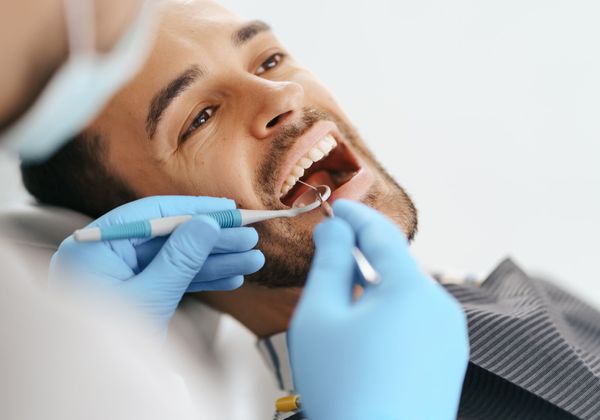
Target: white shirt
(59,362)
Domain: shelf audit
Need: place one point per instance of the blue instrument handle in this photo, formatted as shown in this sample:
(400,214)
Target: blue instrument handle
(144,228)
(227,218)
(141,229)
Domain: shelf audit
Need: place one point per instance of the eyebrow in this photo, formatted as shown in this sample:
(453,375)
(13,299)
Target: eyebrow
(177,86)
(165,96)
(249,31)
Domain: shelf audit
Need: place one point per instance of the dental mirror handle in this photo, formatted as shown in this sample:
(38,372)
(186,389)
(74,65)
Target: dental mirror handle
(364,266)
(152,227)
(165,225)
(366,269)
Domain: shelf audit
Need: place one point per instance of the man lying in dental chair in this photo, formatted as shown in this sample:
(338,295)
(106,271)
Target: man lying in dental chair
(222,109)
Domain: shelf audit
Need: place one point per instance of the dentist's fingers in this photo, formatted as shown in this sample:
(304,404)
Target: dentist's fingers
(226,265)
(382,242)
(182,256)
(236,240)
(152,208)
(225,284)
(73,258)
(231,240)
(331,277)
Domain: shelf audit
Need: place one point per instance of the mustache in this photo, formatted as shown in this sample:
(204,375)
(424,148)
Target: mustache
(281,144)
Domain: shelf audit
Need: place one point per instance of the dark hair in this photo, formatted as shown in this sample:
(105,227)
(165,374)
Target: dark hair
(76,178)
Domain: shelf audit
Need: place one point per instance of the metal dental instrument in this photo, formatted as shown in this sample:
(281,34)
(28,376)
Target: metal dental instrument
(370,275)
(165,225)
(308,201)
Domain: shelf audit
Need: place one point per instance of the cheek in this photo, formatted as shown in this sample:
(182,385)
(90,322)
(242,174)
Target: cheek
(225,171)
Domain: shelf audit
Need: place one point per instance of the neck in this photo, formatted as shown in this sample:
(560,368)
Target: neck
(262,310)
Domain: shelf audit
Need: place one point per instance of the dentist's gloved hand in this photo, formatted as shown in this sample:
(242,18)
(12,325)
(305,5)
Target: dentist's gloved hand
(153,274)
(399,351)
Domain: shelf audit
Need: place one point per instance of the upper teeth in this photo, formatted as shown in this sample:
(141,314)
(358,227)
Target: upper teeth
(318,152)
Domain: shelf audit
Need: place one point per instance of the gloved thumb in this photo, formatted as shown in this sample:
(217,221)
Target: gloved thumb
(331,277)
(183,255)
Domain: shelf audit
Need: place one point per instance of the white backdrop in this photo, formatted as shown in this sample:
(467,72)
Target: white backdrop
(487,112)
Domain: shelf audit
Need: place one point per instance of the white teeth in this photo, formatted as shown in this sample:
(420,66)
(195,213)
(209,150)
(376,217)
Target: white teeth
(315,154)
(324,146)
(329,139)
(321,149)
(304,163)
(286,188)
(298,171)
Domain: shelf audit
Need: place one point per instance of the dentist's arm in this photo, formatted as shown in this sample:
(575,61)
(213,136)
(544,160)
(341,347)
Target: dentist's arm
(153,275)
(399,351)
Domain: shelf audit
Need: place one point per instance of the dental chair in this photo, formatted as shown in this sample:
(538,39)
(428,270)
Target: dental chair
(36,231)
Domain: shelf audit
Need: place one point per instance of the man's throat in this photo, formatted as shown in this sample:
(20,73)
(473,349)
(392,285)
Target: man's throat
(264,311)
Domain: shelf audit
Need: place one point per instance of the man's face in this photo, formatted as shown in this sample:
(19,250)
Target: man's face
(222,109)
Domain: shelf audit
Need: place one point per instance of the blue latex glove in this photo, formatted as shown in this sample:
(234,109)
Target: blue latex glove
(399,351)
(154,274)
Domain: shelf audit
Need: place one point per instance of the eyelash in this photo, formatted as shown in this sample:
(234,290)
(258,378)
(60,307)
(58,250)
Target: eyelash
(278,57)
(201,119)
(206,114)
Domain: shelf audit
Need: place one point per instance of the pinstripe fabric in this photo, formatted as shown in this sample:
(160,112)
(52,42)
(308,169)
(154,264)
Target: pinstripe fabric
(534,350)
(487,396)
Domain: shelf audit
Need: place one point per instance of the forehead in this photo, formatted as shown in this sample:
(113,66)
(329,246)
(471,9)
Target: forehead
(191,32)
(195,23)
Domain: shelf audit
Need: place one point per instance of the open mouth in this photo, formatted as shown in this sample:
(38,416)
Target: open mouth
(328,162)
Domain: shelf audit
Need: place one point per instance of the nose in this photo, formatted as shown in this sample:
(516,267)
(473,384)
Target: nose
(275,102)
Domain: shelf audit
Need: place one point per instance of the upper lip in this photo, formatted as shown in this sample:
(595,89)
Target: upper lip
(303,144)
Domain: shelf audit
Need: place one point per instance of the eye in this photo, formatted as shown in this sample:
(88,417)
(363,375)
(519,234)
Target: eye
(201,119)
(271,62)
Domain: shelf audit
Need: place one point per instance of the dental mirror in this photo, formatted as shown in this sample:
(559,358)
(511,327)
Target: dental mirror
(322,193)
(311,196)
(310,200)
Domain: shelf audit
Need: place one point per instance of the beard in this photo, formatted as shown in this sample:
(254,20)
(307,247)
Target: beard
(286,243)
